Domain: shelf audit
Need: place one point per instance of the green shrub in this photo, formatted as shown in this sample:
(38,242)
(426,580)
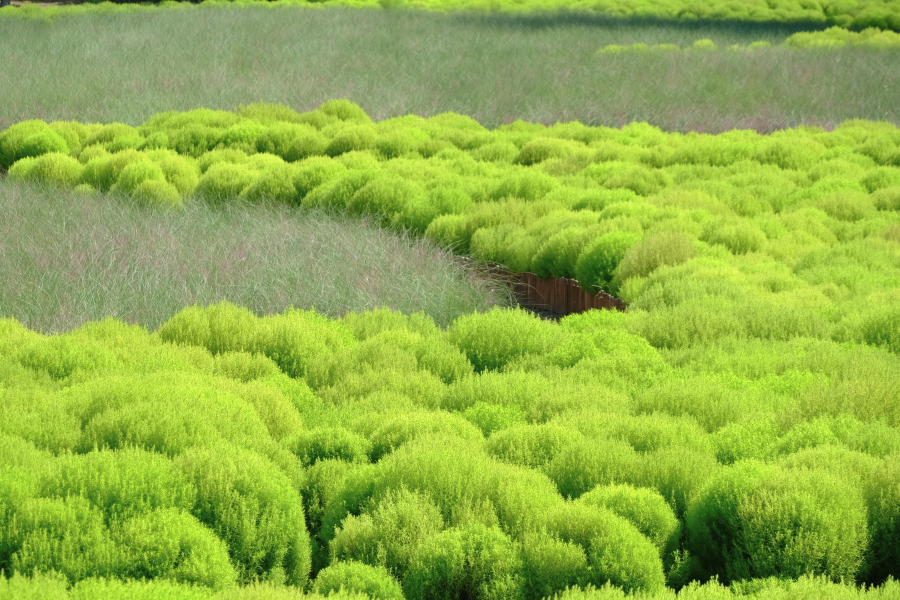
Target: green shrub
(551,565)
(67,536)
(525,184)
(344,110)
(491,417)
(473,562)
(306,146)
(616,550)
(599,260)
(122,484)
(678,473)
(194,140)
(492,339)
(350,139)
(581,466)
(331,442)
(374,582)
(53,168)
(558,256)
(654,251)
(182,172)
(500,151)
(171,544)
(41,143)
(386,198)
(242,136)
(208,159)
(13,138)
(397,143)
(756,520)
(739,238)
(219,328)
(887,198)
(882,492)
(389,533)
(645,508)
(541,149)
(273,185)
(135,174)
(336,192)
(254,508)
(408,426)
(531,446)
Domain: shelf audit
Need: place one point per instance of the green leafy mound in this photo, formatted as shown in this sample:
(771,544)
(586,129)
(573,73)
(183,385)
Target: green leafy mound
(380,455)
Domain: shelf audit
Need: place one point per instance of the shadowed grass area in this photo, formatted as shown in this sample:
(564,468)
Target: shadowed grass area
(495,68)
(67,258)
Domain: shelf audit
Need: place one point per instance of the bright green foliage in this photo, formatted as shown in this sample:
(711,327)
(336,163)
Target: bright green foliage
(171,544)
(654,251)
(600,258)
(616,551)
(253,507)
(643,507)
(410,425)
(52,168)
(551,565)
(135,174)
(756,520)
(390,533)
(531,446)
(475,562)
(374,582)
(350,139)
(335,442)
(493,339)
(123,484)
(882,492)
(581,466)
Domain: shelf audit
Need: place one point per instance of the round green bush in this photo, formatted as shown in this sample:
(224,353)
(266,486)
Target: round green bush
(541,149)
(389,533)
(758,520)
(499,151)
(558,255)
(12,139)
(599,260)
(344,110)
(531,446)
(275,184)
(740,238)
(305,146)
(525,184)
(655,250)
(41,143)
(331,442)
(492,339)
(474,562)
(408,426)
(225,181)
(350,139)
(255,509)
(182,172)
(643,507)
(551,565)
(581,466)
(385,198)
(135,174)
(54,168)
(154,192)
(172,544)
(373,581)
(616,551)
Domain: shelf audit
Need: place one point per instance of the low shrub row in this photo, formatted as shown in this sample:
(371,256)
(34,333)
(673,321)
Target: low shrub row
(502,457)
(833,37)
(858,14)
(756,236)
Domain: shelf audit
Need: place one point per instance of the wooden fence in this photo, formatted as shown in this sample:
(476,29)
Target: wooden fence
(557,295)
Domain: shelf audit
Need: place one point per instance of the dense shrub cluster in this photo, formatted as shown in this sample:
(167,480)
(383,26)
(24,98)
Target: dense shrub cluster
(857,14)
(833,37)
(380,456)
(793,234)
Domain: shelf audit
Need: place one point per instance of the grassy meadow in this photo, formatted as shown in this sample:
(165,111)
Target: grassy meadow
(496,68)
(240,361)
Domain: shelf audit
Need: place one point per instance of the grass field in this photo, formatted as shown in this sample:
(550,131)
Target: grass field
(67,258)
(495,68)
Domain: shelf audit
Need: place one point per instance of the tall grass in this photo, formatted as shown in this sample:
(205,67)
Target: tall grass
(67,258)
(495,68)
